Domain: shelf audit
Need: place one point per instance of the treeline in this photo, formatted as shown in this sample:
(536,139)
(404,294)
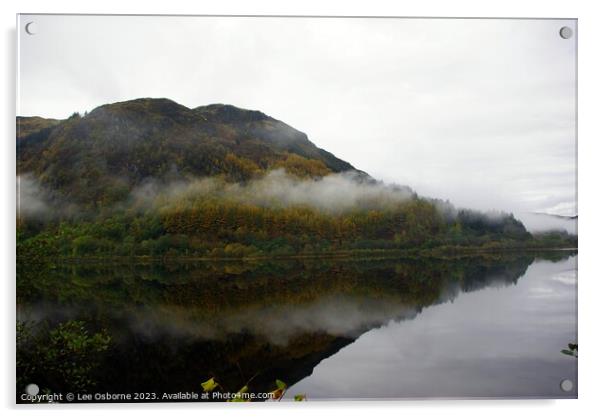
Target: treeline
(220,228)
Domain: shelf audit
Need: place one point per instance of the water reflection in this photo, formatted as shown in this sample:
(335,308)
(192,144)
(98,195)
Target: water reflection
(494,343)
(174,325)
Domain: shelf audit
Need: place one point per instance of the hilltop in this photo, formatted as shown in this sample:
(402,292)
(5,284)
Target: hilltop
(97,158)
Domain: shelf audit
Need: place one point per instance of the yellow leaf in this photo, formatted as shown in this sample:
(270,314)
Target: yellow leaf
(209,385)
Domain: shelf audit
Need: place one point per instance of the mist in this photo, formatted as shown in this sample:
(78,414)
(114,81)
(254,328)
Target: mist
(38,203)
(334,193)
(540,222)
(31,199)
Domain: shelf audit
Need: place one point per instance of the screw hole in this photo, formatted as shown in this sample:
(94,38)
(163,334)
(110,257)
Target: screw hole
(566,385)
(566,32)
(31,28)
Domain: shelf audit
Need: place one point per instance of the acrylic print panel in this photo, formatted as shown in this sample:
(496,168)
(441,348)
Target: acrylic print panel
(266,208)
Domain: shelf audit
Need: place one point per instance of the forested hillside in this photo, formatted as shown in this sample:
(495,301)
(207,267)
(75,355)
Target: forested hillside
(96,160)
(150,177)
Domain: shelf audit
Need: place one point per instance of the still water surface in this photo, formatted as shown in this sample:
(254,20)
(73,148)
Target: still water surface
(473,327)
(501,341)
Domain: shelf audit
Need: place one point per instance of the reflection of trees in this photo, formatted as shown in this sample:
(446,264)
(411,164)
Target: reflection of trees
(173,325)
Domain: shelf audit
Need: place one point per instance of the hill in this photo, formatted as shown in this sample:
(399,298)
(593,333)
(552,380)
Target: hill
(150,177)
(96,159)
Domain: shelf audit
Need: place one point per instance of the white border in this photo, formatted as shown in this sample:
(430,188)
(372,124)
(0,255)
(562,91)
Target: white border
(590,35)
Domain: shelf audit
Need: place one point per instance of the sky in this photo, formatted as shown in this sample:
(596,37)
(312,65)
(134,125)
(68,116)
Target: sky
(480,112)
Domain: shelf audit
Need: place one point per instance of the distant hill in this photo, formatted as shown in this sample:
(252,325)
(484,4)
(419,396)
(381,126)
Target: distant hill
(96,159)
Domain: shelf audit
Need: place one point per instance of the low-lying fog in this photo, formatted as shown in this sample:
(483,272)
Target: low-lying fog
(334,193)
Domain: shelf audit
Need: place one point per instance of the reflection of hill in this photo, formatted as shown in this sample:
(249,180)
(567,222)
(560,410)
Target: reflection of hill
(175,325)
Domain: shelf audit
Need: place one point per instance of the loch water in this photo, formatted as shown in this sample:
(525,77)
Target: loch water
(489,326)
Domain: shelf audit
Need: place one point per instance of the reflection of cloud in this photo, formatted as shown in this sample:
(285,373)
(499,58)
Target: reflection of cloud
(332,315)
(541,292)
(568,277)
(551,288)
(490,344)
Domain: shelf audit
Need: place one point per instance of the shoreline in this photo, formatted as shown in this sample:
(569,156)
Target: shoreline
(440,254)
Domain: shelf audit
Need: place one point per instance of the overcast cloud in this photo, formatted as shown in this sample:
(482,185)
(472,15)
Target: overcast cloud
(480,112)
